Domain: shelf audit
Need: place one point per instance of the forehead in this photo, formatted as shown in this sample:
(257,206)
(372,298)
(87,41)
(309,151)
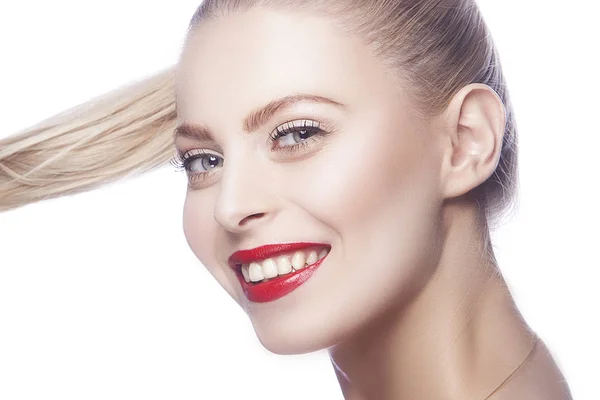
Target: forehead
(237,62)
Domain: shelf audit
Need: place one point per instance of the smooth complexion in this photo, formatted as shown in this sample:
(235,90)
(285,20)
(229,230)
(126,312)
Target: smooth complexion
(409,301)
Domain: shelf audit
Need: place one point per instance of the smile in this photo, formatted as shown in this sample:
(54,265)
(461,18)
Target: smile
(269,272)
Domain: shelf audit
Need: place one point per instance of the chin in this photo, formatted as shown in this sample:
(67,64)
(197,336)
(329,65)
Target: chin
(291,346)
(294,337)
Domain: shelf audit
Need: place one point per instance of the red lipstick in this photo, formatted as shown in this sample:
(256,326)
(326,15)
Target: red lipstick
(277,287)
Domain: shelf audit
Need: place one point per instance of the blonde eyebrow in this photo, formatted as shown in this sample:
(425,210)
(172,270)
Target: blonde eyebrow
(256,119)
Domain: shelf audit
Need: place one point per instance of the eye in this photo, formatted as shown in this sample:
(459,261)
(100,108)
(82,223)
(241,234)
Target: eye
(198,164)
(295,133)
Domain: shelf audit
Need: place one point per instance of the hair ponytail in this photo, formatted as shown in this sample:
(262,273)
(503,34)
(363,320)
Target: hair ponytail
(121,133)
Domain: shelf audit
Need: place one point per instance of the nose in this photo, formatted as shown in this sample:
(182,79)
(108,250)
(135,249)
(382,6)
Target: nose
(245,199)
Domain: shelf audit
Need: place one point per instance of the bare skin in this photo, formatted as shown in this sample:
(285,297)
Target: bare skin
(409,302)
(467,344)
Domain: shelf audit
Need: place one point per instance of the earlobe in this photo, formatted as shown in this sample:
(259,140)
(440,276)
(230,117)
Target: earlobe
(474,127)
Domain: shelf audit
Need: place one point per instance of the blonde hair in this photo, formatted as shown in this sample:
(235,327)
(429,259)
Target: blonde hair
(437,46)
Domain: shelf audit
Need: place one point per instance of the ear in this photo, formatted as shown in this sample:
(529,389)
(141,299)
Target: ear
(474,123)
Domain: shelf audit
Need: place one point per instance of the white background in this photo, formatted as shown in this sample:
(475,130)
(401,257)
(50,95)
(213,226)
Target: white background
(101,298)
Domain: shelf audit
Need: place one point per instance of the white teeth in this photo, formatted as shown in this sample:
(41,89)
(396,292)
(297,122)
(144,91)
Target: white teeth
(299,260)
(269,268)
(245,272)
(323,253)
(312,258)
(283,265)
(255,272)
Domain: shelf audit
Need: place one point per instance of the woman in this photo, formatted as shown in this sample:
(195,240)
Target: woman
(387,263)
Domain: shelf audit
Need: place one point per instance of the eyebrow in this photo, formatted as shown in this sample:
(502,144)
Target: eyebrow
(255,119)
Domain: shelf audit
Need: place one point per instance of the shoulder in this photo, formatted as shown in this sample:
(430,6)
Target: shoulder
(539,379)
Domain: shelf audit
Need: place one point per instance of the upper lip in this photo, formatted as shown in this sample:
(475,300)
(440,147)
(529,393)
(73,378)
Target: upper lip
(267,251)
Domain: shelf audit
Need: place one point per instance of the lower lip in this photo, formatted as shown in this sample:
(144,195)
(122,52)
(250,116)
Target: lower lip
(276,288)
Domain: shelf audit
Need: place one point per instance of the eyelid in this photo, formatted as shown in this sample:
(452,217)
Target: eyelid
(323,122)
(294,125)
(184,155)
(305,148)
(324,126)
(181,159)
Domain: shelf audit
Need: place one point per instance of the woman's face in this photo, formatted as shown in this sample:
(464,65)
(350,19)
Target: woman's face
(355,172)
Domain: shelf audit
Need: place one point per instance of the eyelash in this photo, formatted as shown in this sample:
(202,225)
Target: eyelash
(289,129)
(182,162)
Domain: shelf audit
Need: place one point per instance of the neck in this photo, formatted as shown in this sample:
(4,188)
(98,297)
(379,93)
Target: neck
(459,338)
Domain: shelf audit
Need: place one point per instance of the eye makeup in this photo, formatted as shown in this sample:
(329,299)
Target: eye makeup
(292,137)
(298,131)
(197,163)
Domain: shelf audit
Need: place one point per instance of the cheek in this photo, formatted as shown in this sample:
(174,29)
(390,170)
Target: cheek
(200,230)
(376,187)
(360,170)
(197,226)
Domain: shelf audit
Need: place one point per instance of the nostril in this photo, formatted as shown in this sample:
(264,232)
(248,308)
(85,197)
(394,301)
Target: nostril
(249,218)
